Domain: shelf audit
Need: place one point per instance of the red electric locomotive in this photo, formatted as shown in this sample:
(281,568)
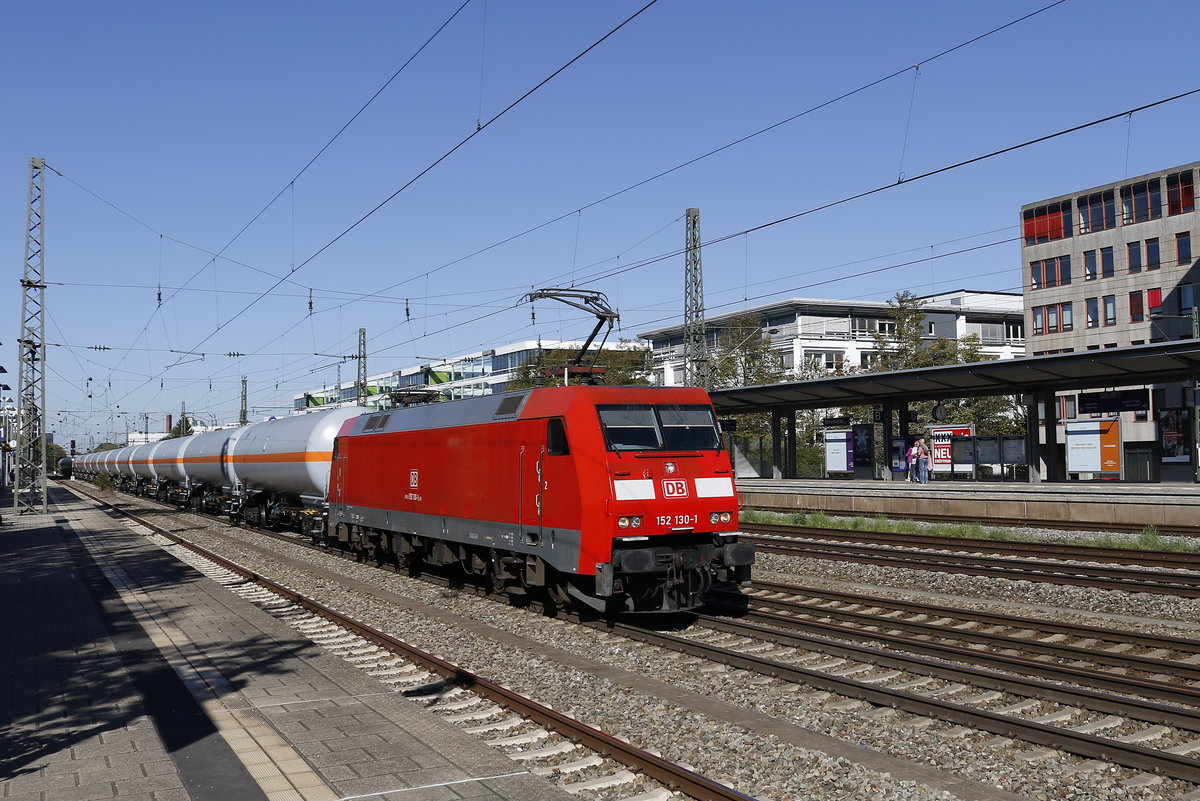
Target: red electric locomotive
(621,498)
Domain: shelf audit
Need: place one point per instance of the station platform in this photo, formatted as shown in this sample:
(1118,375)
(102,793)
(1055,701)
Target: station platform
(1169,508)
(131,676)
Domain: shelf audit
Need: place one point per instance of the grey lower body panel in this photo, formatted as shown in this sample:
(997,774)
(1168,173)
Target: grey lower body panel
(557,547)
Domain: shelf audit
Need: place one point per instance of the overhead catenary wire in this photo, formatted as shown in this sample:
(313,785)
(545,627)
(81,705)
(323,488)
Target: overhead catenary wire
(659,175)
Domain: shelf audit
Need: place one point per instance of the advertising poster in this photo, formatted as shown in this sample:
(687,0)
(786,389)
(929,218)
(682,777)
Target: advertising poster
(839,452)
(1094,446)
(1175,432)
(939,439)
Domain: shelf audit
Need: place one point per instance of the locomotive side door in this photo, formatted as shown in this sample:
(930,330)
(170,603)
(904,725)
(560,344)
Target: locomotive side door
(337,482)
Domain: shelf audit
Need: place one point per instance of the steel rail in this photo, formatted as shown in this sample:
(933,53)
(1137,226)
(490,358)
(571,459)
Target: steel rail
(655,767)
(931,514)
(1153,688)
(1084,553)
(1133,756)
(993,618)
(1183,585)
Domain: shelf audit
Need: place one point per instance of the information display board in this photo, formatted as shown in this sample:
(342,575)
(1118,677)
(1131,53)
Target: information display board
(1094,446)
(839,451)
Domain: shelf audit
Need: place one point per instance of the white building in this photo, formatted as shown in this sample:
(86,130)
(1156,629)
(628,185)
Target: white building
(839,335)
(484,372)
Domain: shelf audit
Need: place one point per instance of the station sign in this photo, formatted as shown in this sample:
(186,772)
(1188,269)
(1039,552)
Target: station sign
(1122,400)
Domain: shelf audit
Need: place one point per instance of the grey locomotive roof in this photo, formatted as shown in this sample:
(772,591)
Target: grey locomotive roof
(465,412)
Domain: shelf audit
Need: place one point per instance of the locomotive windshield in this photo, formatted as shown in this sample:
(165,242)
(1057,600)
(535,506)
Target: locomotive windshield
(664,427)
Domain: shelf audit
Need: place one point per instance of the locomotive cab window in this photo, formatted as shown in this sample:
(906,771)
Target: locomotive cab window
(643,427)
(689,428)
(630,427)
(556,437)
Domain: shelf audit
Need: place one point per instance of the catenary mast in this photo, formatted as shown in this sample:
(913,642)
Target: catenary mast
(695,349)
(29,494)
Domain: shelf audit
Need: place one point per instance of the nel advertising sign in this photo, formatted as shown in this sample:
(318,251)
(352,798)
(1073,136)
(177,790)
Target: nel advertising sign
(939,448)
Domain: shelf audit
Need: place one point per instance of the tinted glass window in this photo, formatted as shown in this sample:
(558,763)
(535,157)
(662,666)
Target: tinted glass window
(669,427)
(688,428)
(630,427)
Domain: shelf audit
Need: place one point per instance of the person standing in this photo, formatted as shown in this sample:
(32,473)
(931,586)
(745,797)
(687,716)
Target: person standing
(923,458)
(910,463)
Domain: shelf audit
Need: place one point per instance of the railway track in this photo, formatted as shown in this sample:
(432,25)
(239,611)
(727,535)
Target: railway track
(1155,731)
(1170,560)
(508,720)
(1022,563)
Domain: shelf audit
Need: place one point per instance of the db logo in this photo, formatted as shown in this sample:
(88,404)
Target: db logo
(675,488)
(412,479)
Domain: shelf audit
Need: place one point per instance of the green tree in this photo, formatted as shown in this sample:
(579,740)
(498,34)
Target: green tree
(181,429)
(624,367)
(744,358)
(905,347)
(105,446)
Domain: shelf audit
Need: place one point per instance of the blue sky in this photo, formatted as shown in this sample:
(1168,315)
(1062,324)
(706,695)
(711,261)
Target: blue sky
(174,125)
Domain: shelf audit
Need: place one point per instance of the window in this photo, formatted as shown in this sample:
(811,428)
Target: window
(1181,196)
(639,427)
(1154,300)
(556,437)
(1110,309)
(1141,202)
(1187,298)
(1137,312)
(1183,248)
(1053,318)
(1047,223)
(688,428)
(629,427)
(1152,254)
(1089,265)
(828,360)
(1135,257)
(1093,312)
(1106,262)
(1097,212)
(1054,271)
(1066,407)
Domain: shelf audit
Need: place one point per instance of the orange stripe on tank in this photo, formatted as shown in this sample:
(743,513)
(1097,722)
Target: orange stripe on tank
(261,458)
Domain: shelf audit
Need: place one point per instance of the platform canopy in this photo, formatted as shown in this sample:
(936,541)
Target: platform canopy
(1156,363)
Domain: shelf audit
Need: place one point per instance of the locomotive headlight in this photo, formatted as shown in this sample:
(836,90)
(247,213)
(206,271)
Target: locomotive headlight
(726,517)
(669,467)
(622,522)
(714,517)
(636,521)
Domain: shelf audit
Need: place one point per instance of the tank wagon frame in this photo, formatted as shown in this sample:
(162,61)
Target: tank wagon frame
(616,498)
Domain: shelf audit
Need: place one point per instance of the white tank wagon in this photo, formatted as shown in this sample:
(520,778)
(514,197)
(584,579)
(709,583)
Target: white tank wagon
(283,468)
(276,470)
(291,455)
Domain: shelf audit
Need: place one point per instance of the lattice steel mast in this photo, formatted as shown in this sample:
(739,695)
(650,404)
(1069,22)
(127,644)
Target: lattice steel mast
(361,384)
(29,494)
(695,349)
